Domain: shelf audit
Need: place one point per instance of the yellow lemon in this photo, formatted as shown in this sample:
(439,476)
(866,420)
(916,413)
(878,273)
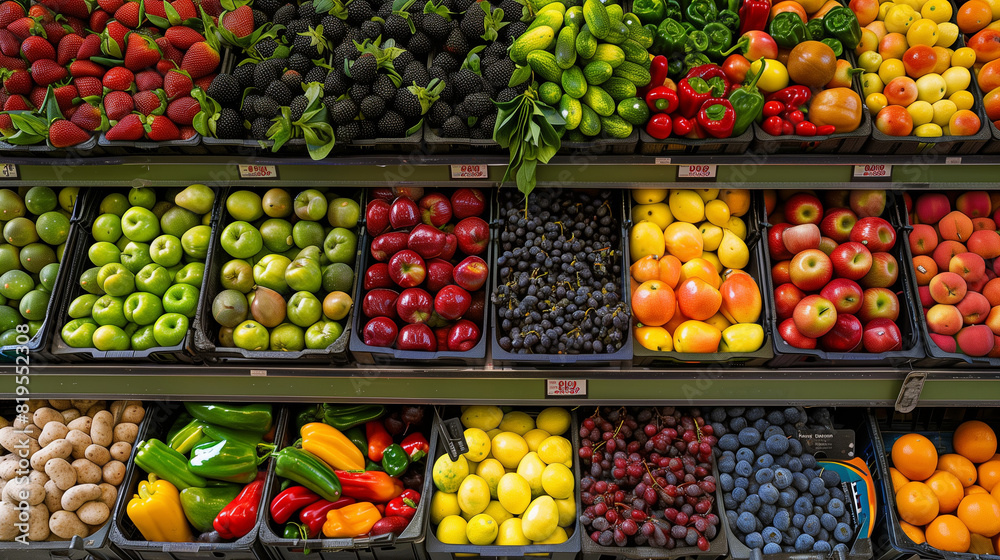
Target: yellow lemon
(658,213)
(556,449)
(491,471)
(928,130)
(540,519)
(448,475)
(943,110)
(947,34)
(473,494)
(509,448)
(717,212)
(555,420)
(744,337)
(510,534)
(479,445)
(707,194)
(567,511)
(534,438)
(962,100)
(686,206)
(558,536)
(451,530)
(517,422)
(558,481)
(482,530)
(957,79)
(493,433)
(922,32)
(646,239)
(498,512)
(931,88)
(899,18)
(514,493)
(964,57)
(444,504)
(737,226)
(654,338)
(530,468)
(921,112)
(938,11)
(876,102)
(483,417)
(719,321)
(714,259)
(711,236)
(649,196)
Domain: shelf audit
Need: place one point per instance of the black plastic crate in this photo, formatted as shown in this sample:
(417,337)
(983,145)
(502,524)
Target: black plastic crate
(620,359)
(679,145)
(439,145)
(46,150)
(437,550)
(602,145)
(205,332)
(366,354)
(408,545)
(127,537)
(79,262)
(189,146)
(840,143)
(905,288)
(757,244)
(402,146)
(993,145)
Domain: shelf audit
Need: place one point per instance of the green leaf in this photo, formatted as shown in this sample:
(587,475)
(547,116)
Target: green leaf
(175,18)
(323,6)
(520,75)
(413,129)
(158,21)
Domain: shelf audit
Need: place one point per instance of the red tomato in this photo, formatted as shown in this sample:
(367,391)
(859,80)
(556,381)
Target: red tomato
(919,60)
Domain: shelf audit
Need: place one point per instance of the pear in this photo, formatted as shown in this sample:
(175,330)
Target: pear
(268,307)
(196,198)
(733,252)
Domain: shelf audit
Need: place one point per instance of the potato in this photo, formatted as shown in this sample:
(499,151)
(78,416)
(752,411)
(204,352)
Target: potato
(109,494)
(31,430)
(51,432)
(38,523)
(21,421)
(66,525)
(80,441)
(71,414)
(83,423)
(82,405)
(114,472)
(38,477)
(8,521)
(97,454)
(121,451)
(134,413)
(30,492)
(79,495)
(10,439)
(8,470)
(60,404)
(60,448)
(53,496)
(92,411)
(62,473)
(94,512)
(102,430)
(87,472)
(126,431)
(35,404)
(44,415)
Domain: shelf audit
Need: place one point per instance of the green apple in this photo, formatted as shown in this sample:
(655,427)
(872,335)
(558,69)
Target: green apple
(88,281)
(181,298)
(173,270)
(34,327)
(322,334)
(277,234)
(154,279)
(244,205)
(344,212)
(303,273)
(110,337)
(195,241)
(142,196)
(82,306)
(226,337)
(67,198)
(196,198)
(9,317)
(103,252)
(140,224)
(60,250)
(177,220)
(143,308)
(39,200)
(338,277)
(109,310)
(307,234)
(122,243)
(107,227)
(14,284)
(143,339)
(310,204)
(251,335)
(47,276)
(53,227)
(341,245)
(130,329)
(304,309)
(237,274)
(169,330)
(287,337)
(135,255)
(79,333)
(114,203)
(116,280)
(166,250)
(241,240)
(270,272)
(34,304)
(192,274)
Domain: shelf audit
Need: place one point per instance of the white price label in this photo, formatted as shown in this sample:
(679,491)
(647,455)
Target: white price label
(480,171)
(876,171)
(258,172)
(258,373)
(662,161)
(566,388)
(696,171)
(8,171)
(954,160)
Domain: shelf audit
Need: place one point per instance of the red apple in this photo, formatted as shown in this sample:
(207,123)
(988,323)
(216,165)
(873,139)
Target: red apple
(439,274)
(776,243)
(786,297)
(845,294)
(477,309)
(792,336)
(803,208)
(377,276)
(810,270)
(413,193)
(944,252)
(944,342)
(827,245)
(944,319)
(868,203)
(979,284)
(380,331)
(452,302)
(882,335)
(435,209)
(407,269)
(948,288)
(380,302)
(403,213)
(377,216)
(883,273)
(473,235)
(932,207)
(845,336)
(923,240)
(388,244)
(838,223)
(471,273)
(414,305)
(874,233)
(851,260)
(836,199)
(975,340)
(383,193)
(463,336)
(878,303)
(985,243)
(417,336)
(427,241)
(779,273)
(969,266)
(814,316)
(925,296)
(450,246)
(974,308)
(979,224)
(801,238)
(974,204)
(468,202)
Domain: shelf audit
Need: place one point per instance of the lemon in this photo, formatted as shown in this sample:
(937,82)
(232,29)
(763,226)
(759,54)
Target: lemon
(479,445)
(510,534)
(717,212)
(509,448)
(493,433)
(481,530)
(483,417)
(534,438)
(443,504)
(448,474)
(658,213)
(517,422)
(737,226)
(649,196)
(530,468)
(559,536)
(451,530)
(921,112)
(514,493)
(556,449)
(473,494)
(567,511)
(491,471)
(497,512)
(645,238)
(557,481)
(686,205)
(707,194)
(554,420)
(943,110)
(711,236)
(540,519)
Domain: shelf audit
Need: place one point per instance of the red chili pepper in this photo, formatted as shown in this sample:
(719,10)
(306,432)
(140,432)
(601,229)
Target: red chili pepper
(692,93)
(290,501)
(805,128)
(314,516)
(416,446)
(754,15)
(825,130)
(662,100)
(772,125)
(378,439)
(658,72)
(773,108)
(404,505)
(391,524)
(239,517)
(795,117)
(682,126)
(787,128)
(659,126)
(369,486)
(717,118)
(792,96)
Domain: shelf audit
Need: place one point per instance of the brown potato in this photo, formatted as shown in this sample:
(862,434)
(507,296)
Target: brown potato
(94,512)
(126,431)
(60,404)
(114,472)
(66,525)
(60,448)
(97,454)
(44,415)
(64,475)
(83,423)
(87,472)
(80,441)
(51,432)
(109,494)
(38,523)
(53,496)
(121,451)
(79,495)
(102,429)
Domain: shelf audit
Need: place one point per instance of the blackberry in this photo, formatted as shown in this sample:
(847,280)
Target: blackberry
(473,22)
(268,6)
(462,111)
(347,132)
(259,18)
(487,61)
(495,49)
(317,74)
(333,29)
(407,103)
(334,84)
(466,83)
(292,79)
(499,73)
(384,88)
(396,28)
(372,107)
(479,133)
(298,106)
(445,61)
(435,26)
(265,48)
(400,63)
(384,11)
(438,113)
(279,92)
(358,12)
(297,26)
(478,104)
(457,44)
(371,30)
(348,47)
(416,72)
(285,14)
(300,63)
(353,35)
(229,125)
(507,94)
(463,5)
(329,102)
(344,111)
(265,72)
(244,76)
(309,44)
(266,107)
(367,130)
(513,31)
(488,122)
(391,125)
(454,127)
(420,44)
(364,68)
(359,92)
(511,10)
(522,87)
(225,89)
(307,11)
(248,111)
(259,128)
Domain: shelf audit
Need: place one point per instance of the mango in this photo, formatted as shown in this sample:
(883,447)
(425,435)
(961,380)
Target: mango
(687,206)
(646,239)
(745,337)
(541,519)
(658,213)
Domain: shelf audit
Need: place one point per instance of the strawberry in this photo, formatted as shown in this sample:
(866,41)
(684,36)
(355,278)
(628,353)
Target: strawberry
(155,8)
(77,25)
(116,31)
(128,15)
(88,86)
(87,117)
(69,46)
(146,102)
(212,7)
(128,128)
(10,45)
(205,81)
(141,52)
(46,71)
(11,63)
(117,104)
(82,68)
(177,83)
(37,96)
(10,11)
(6,125)
(161,129)
(54,31)
(75,8)
(91,47)
(25,27)
(65,96)
(99,20)
(239,22)
(37,48)
(111,6)
(200,60)
(148,80)
(119,79)
(16,103)
(63,134)
(41,13)
(185,9)
(183,37)
(18,82)
(187,132)
(183,110)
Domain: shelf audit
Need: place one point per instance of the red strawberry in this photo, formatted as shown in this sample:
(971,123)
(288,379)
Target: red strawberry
(54,31)
(37,48)
(187,132)
(161,129)
(69,46)
(99,20)
(148,80)
(205,81)
(128,15)
(155,7)
(212,7)
(117,104)
(111,6)
(9,12)
(19,82)
(88,86)
(141,52)
(82,68)
(183,110)
(177,83)
(37,95)
(87,117)
(239,22)
(77,25)
(128,128)
(16,103)
(10,45)
(63,133)
(25,27)
(117,31)
(41,13)
(46,71)
(65,96)
(148,101)
(91,47)
(118,79)
(75,8)
(11,63)
(185,9)
(183,37)
(200,60)
(6,125)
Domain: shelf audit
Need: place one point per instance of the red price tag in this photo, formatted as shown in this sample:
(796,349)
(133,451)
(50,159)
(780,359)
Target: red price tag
(258,171)
(480,171)
(566,388)
(874,171)
(706,171)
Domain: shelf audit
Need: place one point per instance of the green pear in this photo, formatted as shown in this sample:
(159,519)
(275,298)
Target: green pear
(196,198)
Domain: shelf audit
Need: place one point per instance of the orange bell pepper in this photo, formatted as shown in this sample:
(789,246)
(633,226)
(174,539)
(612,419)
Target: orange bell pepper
(332,446)
(351,521)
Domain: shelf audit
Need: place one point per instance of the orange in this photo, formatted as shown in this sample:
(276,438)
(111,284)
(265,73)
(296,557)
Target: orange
(653,303)
(684,241)
(898,480)
(981,514)
(948,533)
(975,441)
(975,489)
(670,270)
(698,299)
(925,267)
(958,466)
(995,492)
(915,534)
(917,503)
(948,489)
(914,456)
(973,16)
(738,200)
(989,474)
(645,269)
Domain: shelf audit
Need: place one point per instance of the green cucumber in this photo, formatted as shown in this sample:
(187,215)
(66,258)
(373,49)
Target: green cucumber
(619,88)
(597,72)
(599,100)
(549,17)
(616,127)
(571,111)
(574,18)
(550,93)
(637,32)
(612,54)
(544,64)
(537,39)
(566,47)
(617,33)
(597,18)
(573,82)
(615,12)
(586,43)
(634,110)
(633,73)
(634,52)
(590,122)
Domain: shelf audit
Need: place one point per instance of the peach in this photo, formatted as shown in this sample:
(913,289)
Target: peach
(978,284)
(974,308)
(955,226)
(893,45)
(923,239)
(944,319)
(925,269)
(992,291)
(976,340)
(946,343)
(948,288)
(932,207)
(969,266)
(945,251)
(983,223)
(974,204)
(985,243)
(993,320)
(925,297)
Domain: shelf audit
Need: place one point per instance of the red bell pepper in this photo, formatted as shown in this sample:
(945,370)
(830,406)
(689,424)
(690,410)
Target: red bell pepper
(692,93)
(657,72)
(394,525)
(707,72)
(314,516)
(378,439)
(239,517)
(404,505)
(416,447)
(662,100)
(659,126)
(754,15)
(369,486)
(792,96)
(682,126)
(717,118)
(290,501)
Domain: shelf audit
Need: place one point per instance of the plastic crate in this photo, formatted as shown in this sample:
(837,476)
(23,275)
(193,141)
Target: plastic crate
(205,332)
(190,146)
(436,550)
(408,545)
(993,145)
(730,146)
(439,145)
(756,242)
(83,149)
(402,146)
(601,145)
(884,427)
(127,537)
(905,288)
(97,546)
(79,262)
(620,359)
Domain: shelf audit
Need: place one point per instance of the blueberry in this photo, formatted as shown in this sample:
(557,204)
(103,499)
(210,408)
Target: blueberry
(790,430)
(777,444)
(717,414)
(735,411)
(798,520)
(766,513)
(754,413)
(792,415)
(811,527)
(746,522)
(754,540)
(727,464)
(749,437)
(729,442)
(794,447)
(782,520)
(752,503)
(822,546)
(818,511)
(782,478)
(764,461)
(740,494)
(730,502)
(737,424)
(837,493)
(822,500)
(745,454)
(790,535)
(835,507)
(771,535)
(804,543)
(769,494)
(787,497)
(803,505)
(810,473)
(776,417)
(720,429)
(823,535)
(772,548)
(761,425)
(727,482)
(773,431)
(753,488)
(764,475)
(799,481)
(828,522)
(816,487)
(742,482)
(808,461)
(842,533)
(743,468)
(831,479)
(795,465)
(782,460)
(731,516)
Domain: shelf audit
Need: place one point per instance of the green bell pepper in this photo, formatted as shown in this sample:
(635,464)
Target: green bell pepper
(748,103)
(229,461)
(730,19)
(202,505)
(674,10)
(719,39)
(788,30)
(251,417)
(156,457)
(718,85)
(697,42)
(219,433)
(650,11)
(816,30)
(309,471)
(395,461)
(837,46)
(343,417)
(675,68)
(841,24)
(183,419)
(694,60)
(700,13)
(185,439)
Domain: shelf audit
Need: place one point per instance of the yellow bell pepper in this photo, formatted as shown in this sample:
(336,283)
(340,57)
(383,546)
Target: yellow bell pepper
(157,513)
(332,446)
(351,521)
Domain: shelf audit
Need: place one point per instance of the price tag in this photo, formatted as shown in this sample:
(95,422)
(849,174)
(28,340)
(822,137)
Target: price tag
(873,172)
(662,161)
(954,160)
(480,171)
(566,388)
(700,172)
(258,171)
(8,171)
(836,444)
(258,373)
